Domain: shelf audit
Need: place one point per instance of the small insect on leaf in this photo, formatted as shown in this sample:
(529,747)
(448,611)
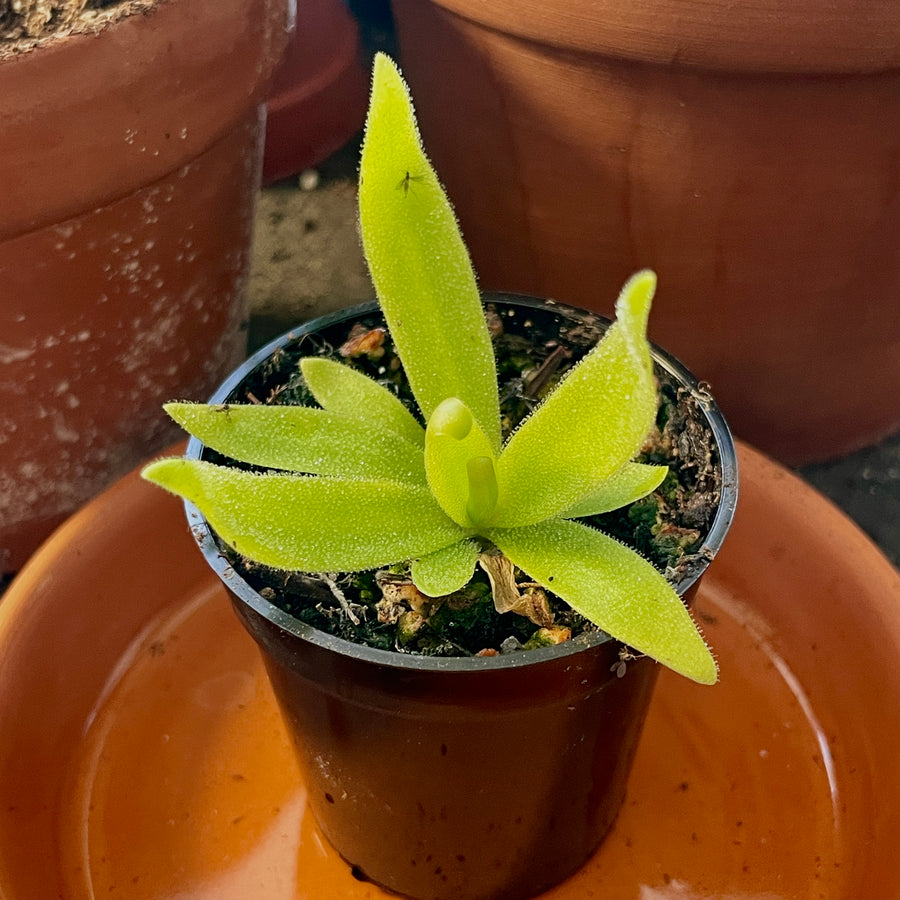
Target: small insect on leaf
(419,265)
(405,181)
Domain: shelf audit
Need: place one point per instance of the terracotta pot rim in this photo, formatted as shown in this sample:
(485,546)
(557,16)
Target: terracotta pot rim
(90,21)
(766,36)
(105,111)
(247,595)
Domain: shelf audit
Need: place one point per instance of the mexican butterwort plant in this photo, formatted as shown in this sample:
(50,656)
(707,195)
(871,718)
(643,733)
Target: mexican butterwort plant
(357,483)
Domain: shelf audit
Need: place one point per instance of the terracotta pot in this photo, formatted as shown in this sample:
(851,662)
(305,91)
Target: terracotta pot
(456,777)
(745,151)
(130,162)
(320,93)
(160,753)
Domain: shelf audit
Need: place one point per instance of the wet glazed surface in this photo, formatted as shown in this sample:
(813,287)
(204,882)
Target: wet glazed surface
(175,778)
(187,783)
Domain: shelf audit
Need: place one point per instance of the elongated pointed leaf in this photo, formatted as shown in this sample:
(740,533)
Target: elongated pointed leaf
(419,264)
(613,587)
(302,439)
(308,523)
(340,389)
(630,483)
(453,440)
(446,570)
(591,424)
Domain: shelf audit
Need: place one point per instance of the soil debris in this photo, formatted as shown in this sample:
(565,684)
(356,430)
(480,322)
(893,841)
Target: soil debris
(23,23)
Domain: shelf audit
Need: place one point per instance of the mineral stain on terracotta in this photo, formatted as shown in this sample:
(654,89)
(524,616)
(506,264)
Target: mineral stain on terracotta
(124,249)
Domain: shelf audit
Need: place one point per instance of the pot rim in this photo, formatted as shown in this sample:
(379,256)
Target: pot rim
(393,659)
(193,72)
(761,37)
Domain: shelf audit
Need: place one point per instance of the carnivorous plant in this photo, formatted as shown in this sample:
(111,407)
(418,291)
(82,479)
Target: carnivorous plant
(358,483)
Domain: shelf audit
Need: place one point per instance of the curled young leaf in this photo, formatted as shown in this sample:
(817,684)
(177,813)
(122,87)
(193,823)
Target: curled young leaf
(459,464)
(340,389)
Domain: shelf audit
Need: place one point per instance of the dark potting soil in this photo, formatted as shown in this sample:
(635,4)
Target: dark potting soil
(30,20)
(533,349)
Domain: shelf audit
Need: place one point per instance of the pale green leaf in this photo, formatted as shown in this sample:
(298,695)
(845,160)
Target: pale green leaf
(457,452)
(308,523)
(613,587)
(630,483)
(446,570)
(594,422)
(341,389)
(301,439)
(419,264)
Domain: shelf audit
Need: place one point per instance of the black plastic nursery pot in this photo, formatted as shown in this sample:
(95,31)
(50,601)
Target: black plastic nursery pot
(460,777)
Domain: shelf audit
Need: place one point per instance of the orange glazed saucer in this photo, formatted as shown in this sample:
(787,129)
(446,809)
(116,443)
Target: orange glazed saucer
(142,755)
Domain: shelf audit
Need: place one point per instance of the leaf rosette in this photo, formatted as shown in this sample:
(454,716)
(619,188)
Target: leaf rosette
(343,495)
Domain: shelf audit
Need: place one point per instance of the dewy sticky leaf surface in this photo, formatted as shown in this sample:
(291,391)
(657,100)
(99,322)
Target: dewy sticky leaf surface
(311,524)
(379,491)
(419,264)
(591,424)
(301,439)
(614,588)
(630,483)
(340,389)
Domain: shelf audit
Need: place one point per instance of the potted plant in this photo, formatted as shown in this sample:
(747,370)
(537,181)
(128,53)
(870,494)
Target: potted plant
(130,158)
(439,768)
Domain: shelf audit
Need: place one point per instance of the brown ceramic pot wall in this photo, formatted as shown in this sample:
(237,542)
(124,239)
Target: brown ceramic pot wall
(457,778)
(747,152)
(320,92)
(129,162)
